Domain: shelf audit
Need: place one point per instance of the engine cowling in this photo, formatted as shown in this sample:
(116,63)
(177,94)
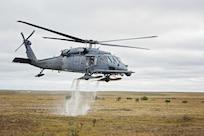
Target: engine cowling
(68,52)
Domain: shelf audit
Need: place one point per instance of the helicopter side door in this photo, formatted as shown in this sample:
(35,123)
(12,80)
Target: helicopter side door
(91,61)
(75,63)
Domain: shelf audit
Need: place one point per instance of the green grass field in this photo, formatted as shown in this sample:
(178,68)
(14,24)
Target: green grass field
(34,113)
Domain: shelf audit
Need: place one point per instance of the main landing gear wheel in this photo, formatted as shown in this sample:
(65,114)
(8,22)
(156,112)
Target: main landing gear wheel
(107,78)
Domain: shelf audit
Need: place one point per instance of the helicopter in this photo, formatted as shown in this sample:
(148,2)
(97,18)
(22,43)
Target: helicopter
(92,62)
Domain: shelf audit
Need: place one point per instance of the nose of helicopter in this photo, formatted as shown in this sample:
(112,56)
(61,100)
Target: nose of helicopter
(115,63)
(119,66)
(123,67)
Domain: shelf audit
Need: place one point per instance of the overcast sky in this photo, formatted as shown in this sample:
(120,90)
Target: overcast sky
(174,63)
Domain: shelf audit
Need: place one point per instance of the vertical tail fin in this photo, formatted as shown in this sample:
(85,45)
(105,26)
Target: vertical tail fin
(29,50)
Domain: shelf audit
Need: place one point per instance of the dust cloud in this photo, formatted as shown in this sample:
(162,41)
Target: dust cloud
(82,97)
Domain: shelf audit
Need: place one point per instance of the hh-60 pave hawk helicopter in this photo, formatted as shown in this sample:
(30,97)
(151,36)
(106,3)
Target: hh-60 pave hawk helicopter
(88,60)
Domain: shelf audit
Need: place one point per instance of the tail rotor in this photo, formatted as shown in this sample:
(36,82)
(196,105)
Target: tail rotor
(25,41)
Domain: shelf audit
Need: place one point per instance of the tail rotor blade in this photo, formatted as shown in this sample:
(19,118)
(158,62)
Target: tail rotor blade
(19,47)
(30,35)
(22,43)
(24,40)
(23,36)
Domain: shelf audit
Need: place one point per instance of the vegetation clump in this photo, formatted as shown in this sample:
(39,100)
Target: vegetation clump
(144,98)
(94,122)
(167,100)
(186,118)
(68,97)
(118,99)
(137,99)
(99,98)
(129,98)
(184,101)
(74,130)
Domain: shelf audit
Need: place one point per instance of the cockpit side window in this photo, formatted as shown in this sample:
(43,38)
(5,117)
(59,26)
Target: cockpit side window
(113,59)
(109,60)
(118,59)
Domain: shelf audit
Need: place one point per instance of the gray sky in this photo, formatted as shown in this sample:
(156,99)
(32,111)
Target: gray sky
(174,63)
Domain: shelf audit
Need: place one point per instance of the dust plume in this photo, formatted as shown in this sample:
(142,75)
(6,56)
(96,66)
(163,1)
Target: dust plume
(80,102)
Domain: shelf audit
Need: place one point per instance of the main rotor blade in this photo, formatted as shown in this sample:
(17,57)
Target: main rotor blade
(97,43)
(56,32)
(116,45)
(129,39)
(59,39)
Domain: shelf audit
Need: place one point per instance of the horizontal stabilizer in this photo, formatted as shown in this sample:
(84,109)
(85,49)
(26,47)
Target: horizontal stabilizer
(21,60)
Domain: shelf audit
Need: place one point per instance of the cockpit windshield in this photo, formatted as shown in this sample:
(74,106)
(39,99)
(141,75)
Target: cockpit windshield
(117,59)
(113,59)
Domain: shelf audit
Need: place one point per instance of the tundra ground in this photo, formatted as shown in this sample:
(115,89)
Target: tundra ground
(27,113)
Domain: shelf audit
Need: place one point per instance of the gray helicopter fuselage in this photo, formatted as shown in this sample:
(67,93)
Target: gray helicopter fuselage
(81,60)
